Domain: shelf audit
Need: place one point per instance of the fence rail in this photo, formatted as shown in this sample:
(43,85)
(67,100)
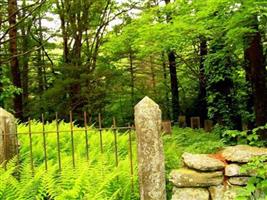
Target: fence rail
(46,133)
(147,118)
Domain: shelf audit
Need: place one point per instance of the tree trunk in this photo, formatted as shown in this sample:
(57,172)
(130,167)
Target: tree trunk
(25,63)
(153,76)
(174,86)
(14,63)
(1,70)
(40,63)
(167,100)
(257,73)
(174,81)
(249,102)
(202,104)
(131,68)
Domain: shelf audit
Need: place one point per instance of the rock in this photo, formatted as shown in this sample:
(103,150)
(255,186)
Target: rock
(189,178)
(235,170)
(190,194)
(222,192)
(238,180)
(242,153)
(202,162)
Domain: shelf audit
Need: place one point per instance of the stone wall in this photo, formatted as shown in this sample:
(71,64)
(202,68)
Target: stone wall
(213,177)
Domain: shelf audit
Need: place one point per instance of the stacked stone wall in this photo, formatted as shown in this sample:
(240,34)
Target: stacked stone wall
(214,176)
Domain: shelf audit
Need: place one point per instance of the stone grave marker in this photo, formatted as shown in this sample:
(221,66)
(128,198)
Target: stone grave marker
(195,122)
(167,127)
(208,125)
(182,121)
(151,169)
(8,139)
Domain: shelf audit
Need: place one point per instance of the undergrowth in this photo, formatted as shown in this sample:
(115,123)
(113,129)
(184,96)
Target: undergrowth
(96,179)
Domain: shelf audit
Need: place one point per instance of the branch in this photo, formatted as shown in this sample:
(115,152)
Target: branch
(25,53)
(22,19)
(46,54)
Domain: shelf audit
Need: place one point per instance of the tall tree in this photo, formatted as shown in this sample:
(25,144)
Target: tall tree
(173,76)
(1,70)
(14,62)
(202,105)
(256,71)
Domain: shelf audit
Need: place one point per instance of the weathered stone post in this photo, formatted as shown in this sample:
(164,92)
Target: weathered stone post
(151,169)
(8,139)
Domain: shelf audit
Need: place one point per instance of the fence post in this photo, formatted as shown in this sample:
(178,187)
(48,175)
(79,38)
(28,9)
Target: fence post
(8,139)
(151,169)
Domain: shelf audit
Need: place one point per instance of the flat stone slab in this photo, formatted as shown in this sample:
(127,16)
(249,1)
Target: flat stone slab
(235,170)
(222,192)
(190,178)
(202,162)
(238,180)
(190,194)
(242,153)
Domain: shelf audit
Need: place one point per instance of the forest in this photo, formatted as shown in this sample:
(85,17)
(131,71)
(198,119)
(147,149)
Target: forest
(202,58)
(73,71)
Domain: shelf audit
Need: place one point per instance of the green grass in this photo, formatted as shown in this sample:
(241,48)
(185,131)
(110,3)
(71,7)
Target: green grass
(97,179)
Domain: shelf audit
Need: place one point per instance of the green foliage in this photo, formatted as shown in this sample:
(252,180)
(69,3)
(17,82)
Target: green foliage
(233,137)
(257,185)
(7,89)
(97,179)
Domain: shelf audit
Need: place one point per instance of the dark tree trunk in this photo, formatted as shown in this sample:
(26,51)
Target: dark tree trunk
(174,86)
(77,48)
(1,70)
(173,76)
(202,104)
(25,63)
(40,63)
(14,63)
(131,68)
(249,102)
(153,76)
(167,100)
(257,75)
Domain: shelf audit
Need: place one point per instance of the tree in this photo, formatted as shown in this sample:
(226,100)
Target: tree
(257,72)
(173,76)
(14,62)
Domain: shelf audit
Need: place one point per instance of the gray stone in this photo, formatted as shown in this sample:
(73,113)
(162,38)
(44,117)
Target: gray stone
(235,170)
(190,194)
(151,169)
(232,170)
(8,139)
(238,180)
(190,178)
(202,162)
(222,192)
(242,153)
